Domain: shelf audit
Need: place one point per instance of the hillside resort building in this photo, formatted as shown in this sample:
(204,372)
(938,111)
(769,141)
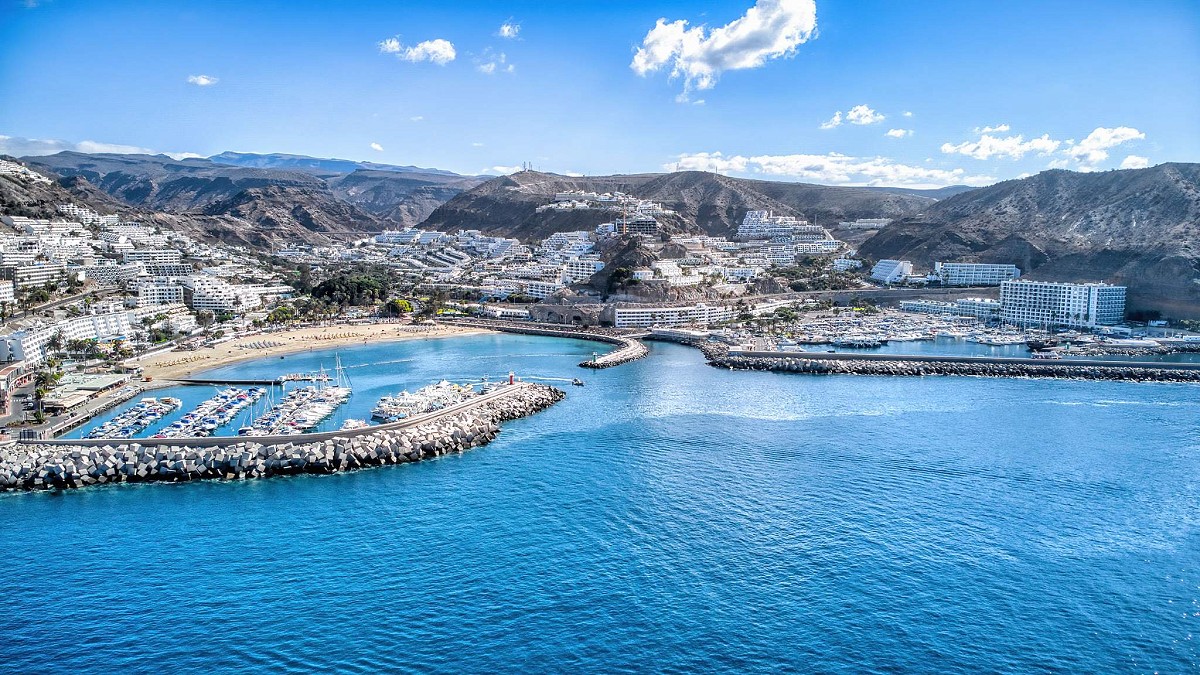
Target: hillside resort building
(891,271)
(974,274)
(1050,303)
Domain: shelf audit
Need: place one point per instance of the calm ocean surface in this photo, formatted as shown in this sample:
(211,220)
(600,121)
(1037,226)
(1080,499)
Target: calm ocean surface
(668,517)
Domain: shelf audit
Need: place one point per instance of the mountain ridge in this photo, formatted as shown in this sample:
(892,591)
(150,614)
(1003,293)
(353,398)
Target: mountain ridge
(1135,227)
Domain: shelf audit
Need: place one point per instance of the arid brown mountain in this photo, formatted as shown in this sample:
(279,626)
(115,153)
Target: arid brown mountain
(1139,228)
(280,205)
(399,198)
(40,200)
(706,202)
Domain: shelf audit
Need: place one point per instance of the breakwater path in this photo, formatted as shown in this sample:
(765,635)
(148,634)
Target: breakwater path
(906,364)
(47,465)
(629,347)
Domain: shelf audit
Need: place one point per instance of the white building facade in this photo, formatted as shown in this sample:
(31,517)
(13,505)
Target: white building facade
(1049,303)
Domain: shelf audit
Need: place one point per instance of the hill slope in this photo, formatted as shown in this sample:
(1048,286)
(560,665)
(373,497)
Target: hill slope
(306,203)
(709,202)
(1139,227)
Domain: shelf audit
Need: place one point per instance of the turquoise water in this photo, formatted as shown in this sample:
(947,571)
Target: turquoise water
(668,516)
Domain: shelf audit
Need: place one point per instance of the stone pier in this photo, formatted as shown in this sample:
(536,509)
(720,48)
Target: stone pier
(49,465)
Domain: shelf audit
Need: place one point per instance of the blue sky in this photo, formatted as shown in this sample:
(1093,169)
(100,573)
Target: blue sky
(743,87)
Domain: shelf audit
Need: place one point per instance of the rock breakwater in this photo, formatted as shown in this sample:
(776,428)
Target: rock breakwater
(59,465)
(819,364)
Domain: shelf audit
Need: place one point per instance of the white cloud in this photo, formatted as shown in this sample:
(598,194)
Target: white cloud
(1086,154)
(1012,147)
(998,129)
(202,80)
(477,144)
(771,29)
(862,114)
(28,147)
(898,133)
(1135,162)
(490,63)
(377,147)
(417,118)
(437,51)
(1094,149)
(859,114)
(503,170)
(829,168)
(907,113)
(509,29)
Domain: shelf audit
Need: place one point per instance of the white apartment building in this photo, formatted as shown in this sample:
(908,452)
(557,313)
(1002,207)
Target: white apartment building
(155,256)
(766,225)
(110,275)
(935,307)
(1050,303)
(581,269)
(974,274)
(891,271)
(216,295)
(846,264)
(542,289)
(32,276)
(152,293)
(980,308)
(8,168)
(644,317)
(7,292)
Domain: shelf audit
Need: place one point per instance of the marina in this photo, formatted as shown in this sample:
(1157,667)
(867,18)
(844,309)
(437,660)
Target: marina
(303,409)
(213,413)
(393,408)
(136,419)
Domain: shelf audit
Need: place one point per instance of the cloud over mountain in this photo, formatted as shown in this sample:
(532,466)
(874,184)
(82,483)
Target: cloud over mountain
(832,168)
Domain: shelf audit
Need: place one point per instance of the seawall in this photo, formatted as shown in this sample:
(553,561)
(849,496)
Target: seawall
(628,348)
(902,365)
(49,465)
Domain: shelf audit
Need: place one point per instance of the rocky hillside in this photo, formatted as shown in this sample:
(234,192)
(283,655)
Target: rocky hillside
(40,200)
(1139,227)
(305,203)
(706,202)
(402,198)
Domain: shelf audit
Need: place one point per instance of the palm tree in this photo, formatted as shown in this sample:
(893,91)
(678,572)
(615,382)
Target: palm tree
(55,343)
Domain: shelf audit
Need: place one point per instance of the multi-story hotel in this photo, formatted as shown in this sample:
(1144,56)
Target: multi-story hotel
(974,274)
(643,317)
(1050,303)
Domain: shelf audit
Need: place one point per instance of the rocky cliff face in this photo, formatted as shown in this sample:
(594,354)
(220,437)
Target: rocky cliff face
(705,202)
(1139,228)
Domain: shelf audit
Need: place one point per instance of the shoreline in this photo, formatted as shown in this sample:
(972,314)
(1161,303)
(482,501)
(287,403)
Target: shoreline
(165,368)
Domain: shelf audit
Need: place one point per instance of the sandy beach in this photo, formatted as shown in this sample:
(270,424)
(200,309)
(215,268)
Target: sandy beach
(177,364)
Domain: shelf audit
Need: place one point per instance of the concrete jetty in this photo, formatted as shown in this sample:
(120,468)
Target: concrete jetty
(629,347)
(916,365)
(65,464)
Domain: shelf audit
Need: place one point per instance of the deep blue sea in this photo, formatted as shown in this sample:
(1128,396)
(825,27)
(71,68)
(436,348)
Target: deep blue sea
(667,517)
